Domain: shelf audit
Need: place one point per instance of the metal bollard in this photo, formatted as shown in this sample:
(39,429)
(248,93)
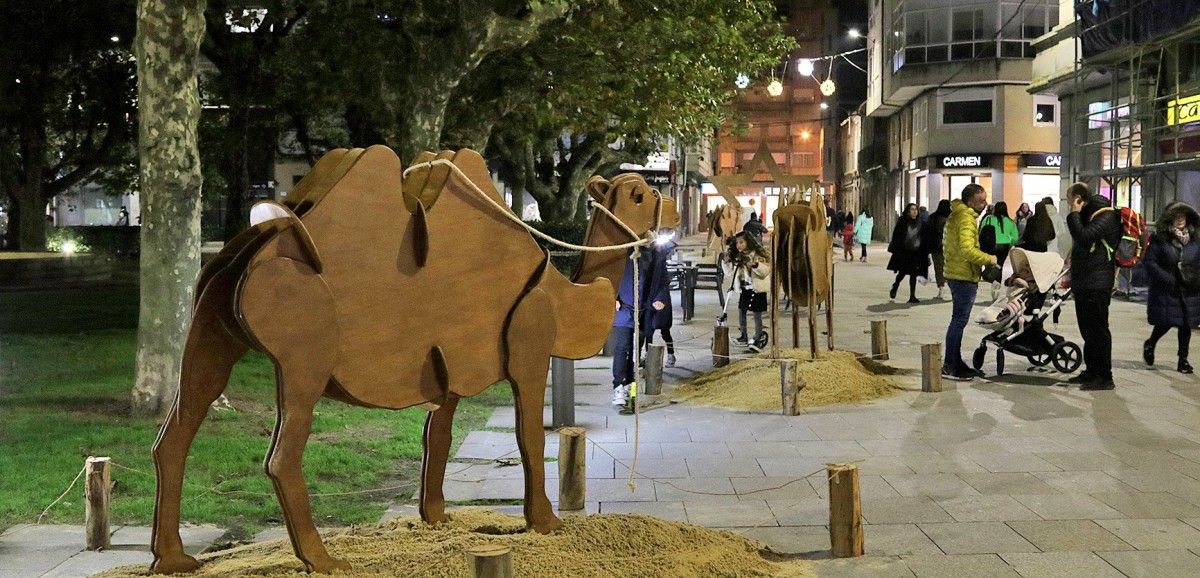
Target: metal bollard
(562,392)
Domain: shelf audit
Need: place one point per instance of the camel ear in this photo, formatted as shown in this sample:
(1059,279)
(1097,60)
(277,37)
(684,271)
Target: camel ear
(597,187)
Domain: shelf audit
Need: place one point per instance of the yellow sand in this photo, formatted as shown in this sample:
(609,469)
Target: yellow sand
(587,546)
(835,377)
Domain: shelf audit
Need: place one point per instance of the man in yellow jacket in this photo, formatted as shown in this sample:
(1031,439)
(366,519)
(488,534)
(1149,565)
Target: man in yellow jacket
(964,263)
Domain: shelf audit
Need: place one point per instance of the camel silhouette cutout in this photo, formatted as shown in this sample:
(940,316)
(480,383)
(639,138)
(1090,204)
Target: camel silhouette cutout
(802,255)
(390,292)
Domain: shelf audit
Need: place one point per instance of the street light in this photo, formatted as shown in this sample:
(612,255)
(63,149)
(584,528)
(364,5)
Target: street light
(805,67)
(854,34)
(775,88)
(824,106)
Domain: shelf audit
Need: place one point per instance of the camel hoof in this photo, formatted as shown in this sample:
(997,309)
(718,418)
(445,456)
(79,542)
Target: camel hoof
(547,524)
(174,565)
(326,564)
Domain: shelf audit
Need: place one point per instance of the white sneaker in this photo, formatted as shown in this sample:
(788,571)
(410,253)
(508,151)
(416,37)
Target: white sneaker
(671,360)
(620,395)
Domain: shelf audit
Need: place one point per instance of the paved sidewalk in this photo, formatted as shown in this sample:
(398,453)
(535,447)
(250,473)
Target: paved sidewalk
(1012,476)
(56,551)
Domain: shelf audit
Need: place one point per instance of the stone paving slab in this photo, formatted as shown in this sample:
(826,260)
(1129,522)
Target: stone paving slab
(1068,535)
(975,566)
(1153,564)
(1154,534)
(28,550)
(991,508)
(1060,565)
(976,538)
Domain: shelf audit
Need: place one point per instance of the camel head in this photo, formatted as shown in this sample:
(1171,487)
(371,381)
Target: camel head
(641,208)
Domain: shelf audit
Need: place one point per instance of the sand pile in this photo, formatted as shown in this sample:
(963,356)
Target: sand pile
(835,377)
(587,546)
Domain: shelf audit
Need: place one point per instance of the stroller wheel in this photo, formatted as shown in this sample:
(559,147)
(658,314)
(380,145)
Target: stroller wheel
(977,359)
(1041,360)
(999,362)
(1067,356)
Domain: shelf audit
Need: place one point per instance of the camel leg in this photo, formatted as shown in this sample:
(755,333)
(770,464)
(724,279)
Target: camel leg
(530,336)
(299,389)
(433,468)
(208,357)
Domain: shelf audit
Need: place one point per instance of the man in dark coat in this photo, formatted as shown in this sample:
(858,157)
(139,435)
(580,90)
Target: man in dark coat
(656,308)
(1095,231)
(1174,247)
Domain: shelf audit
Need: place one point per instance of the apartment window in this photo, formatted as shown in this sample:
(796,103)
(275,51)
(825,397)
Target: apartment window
(967,112)
(805,160)
(925,31)
(920,116)
(1045,110)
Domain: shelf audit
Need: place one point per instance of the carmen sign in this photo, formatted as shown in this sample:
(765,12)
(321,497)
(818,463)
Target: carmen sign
(957,161)
(1042,160)
(1183,110)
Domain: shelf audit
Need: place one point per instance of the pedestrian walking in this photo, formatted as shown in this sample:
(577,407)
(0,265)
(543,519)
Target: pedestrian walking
(756,228)
(863,228)
(1024,213)
(848,237)
(1095,230)
(1173,263)
(910,253)
(748,270)
(623,322)
(997,236)
(657,311)
(1039,231)
(936,231)
(964,262)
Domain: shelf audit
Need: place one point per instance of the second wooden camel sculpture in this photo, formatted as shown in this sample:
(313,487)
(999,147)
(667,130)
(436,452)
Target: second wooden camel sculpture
(387,292)
(802,252)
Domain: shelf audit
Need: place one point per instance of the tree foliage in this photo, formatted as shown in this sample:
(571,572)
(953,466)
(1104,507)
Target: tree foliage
(67,105)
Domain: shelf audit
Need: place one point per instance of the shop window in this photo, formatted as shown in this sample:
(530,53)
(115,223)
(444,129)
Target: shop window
(967,112)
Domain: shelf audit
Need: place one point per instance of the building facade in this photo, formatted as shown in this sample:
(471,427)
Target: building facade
(1127,73)
(790,124)
(948,80)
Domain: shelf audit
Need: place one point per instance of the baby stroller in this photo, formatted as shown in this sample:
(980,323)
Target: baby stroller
(1017,320)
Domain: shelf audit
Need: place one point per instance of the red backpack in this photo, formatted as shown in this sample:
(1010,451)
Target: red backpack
(1132,246)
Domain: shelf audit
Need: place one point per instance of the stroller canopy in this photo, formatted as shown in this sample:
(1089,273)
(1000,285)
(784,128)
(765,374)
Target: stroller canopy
(1043,269)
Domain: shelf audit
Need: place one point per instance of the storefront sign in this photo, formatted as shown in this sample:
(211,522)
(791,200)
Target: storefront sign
(961,161)
(1042,160)
(1183,110)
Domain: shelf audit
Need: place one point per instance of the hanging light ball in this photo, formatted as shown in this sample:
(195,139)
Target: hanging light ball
(806,67)
(775,88)
(742,81)
(828,87)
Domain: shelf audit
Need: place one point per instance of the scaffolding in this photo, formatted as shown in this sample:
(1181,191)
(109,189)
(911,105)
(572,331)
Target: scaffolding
(1125,136)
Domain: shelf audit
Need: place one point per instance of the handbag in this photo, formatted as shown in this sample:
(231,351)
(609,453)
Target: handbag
(1189,277)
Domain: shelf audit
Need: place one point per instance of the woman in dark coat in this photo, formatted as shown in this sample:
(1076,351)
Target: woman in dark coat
(656,302)
(936,233)
(910,251)
(1039,230)
(1173,246)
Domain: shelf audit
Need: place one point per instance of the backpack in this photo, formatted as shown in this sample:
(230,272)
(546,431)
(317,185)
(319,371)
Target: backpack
(1132,246)
(987,236)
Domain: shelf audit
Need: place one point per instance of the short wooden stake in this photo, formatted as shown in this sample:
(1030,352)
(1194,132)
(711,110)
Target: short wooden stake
(96,491)
(572,468)
(790,384)
(652,380)
(931,367)
(845,511)
(879,340)
(720,348)
(490,561)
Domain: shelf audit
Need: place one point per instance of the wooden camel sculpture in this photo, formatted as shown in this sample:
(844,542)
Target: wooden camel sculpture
(802,254)
(387,292)
(724,222)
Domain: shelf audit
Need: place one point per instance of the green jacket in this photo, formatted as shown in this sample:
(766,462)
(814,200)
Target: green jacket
(960,244)
(1006,229)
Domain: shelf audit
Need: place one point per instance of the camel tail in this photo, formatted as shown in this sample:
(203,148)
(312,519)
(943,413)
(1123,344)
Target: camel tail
(583,314)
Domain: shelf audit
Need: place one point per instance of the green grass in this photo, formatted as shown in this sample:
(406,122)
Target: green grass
(66,369)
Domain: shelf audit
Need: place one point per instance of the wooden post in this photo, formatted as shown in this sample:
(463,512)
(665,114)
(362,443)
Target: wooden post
(931,367)
(562,392)
(490,561)
(652,373)
(879,340)
(720,348)
(790,384)
(775,295)
(96,490)
(845,511)
(572,468)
